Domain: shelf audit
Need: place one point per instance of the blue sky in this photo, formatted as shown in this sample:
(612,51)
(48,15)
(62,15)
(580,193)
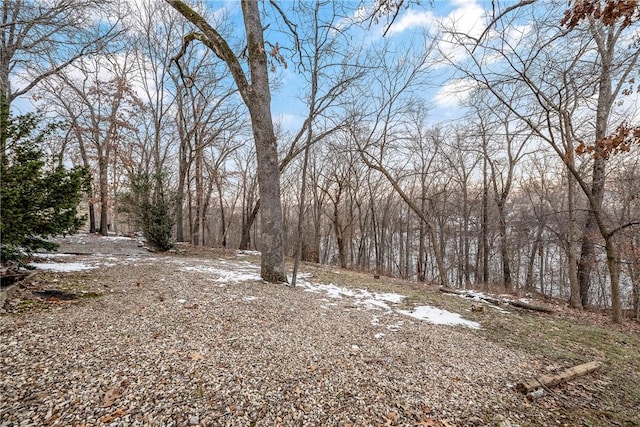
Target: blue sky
(468,16)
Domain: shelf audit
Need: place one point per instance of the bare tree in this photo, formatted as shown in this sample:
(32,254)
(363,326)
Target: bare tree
(256,94)
(40,39)
(527,60)
(98,97)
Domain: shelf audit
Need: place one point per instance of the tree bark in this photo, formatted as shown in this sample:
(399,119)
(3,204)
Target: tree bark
(606,46)
(257,97)
(550,380)
(104,194)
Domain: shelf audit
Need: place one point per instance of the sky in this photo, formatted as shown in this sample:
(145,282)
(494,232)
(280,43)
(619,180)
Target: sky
(444,95)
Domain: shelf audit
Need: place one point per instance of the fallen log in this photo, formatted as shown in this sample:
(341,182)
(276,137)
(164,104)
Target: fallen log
(452,291)
(495,301)
(527,306)
(550,380)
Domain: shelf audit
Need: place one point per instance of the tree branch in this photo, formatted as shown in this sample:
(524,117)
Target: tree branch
(214,41)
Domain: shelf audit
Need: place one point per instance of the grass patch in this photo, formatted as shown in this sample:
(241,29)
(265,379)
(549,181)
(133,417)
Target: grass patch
(610,396)
(613,394)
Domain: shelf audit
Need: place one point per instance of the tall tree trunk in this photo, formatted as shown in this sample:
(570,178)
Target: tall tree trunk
(182,179)
(257,97)
(484,238)
(247,223)
(606,45)
(575,300)
(504,249)
(337,226)
(198,224)
(528,281)
(90,195)
(92,218)
(223,223)
(258,100)
(613,263)
(465,236)
(422,262)
(104,194)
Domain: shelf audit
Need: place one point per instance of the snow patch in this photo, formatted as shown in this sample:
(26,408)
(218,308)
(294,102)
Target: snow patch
(395,326)
(438,316)
(51,255)
(479,297)
(373,299)
(245,253)
(62,266)
(226,275)
(374,304)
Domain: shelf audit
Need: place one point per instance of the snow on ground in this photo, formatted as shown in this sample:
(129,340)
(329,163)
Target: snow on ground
(439,317)
(479,297)
(382,300)
(226,271)
(228,276)
(62,266)
(53,255)
(245,253)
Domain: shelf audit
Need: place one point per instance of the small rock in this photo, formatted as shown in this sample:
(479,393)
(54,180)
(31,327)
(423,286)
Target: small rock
(194,420)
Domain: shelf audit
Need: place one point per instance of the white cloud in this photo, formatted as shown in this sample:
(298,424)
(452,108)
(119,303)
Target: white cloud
(453,93)
(468,19)
(514,34)
(412,19)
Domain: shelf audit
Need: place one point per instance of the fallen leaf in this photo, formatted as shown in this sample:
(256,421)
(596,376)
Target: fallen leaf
(391,419)
(429,422)
(113,416)
(111,396)
(54,416)
(195,356)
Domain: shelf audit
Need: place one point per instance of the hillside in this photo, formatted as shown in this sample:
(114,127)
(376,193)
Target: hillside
(110,334)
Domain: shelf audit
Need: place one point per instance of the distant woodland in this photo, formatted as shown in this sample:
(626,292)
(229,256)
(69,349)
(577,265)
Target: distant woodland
(176,109)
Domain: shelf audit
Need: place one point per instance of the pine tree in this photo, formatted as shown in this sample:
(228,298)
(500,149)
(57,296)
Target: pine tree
(36,202)
(151,209)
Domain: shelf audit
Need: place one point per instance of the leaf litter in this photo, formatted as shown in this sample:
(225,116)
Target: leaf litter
(244,352)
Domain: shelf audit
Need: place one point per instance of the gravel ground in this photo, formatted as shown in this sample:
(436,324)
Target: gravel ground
(176,341)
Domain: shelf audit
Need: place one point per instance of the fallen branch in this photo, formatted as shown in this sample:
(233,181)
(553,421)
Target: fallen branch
(452,291)
(495,301)
(550,380)
(527,306)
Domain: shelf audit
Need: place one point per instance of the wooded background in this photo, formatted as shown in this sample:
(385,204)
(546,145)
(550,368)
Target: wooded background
(533,187)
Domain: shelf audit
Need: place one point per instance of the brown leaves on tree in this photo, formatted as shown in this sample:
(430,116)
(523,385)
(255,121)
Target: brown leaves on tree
(606,11)
(620,141)
(277,56)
